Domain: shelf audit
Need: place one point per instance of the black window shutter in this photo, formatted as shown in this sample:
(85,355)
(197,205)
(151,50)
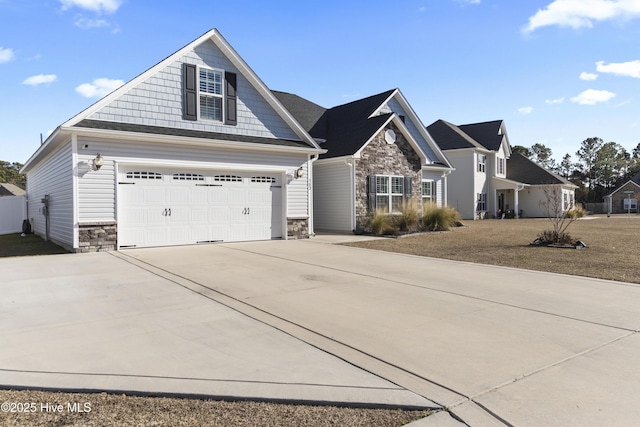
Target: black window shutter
(408,192)
(231,99)
(372,193)
(190,92)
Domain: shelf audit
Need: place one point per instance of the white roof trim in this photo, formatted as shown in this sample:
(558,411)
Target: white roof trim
(233,56)
(405,132)
(418,123)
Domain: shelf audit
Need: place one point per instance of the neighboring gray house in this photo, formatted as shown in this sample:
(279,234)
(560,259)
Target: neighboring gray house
(195,149)
(489,179)
(624,199)
(378,155)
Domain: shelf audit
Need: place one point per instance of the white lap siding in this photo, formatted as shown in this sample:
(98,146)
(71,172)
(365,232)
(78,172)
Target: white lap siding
(54,177)
(438,186)
(97,189)
(332,196)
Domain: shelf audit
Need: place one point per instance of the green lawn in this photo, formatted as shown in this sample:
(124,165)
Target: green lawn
(15,245)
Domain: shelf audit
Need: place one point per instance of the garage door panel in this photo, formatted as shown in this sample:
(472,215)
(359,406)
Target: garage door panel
(196,207)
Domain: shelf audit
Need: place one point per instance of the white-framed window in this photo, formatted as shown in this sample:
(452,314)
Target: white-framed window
(210,94)
(629,204)
(389,193)
(500,166)
(482,163)
(427,192)
(481,205)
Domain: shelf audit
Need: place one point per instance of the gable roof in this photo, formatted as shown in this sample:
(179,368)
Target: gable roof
(635,180)
(345,129)
(10,190)
(484,136)
(489,134)
(61,133)
(522,169)
(450,137)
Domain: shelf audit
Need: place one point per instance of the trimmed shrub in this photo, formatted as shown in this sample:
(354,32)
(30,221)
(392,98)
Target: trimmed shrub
(436,218)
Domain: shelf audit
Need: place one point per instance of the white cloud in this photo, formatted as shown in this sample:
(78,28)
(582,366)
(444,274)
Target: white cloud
(99,6)
(582,13)
(588,76)
(629,69)
(87,24)
(98,88)
(554,101)
(40,79)
(592,97)
(6,55)
(525,110)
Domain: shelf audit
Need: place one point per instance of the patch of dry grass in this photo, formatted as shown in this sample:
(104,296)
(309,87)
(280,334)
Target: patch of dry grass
(119,410)
(613,246)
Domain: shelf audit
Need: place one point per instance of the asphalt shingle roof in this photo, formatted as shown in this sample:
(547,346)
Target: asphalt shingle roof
(476,135)
(522,169)
(345,128)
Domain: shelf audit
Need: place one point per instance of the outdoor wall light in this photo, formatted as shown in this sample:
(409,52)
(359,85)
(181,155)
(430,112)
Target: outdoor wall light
(98,162)
(299,172)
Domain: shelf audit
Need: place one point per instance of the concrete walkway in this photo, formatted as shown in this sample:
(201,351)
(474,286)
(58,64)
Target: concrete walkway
(313,321)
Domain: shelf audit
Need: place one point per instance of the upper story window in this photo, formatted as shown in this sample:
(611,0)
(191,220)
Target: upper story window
(482,163)
(210,94)
(500,166)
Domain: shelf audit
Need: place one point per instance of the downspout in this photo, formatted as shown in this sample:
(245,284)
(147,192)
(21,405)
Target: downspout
(312,159)
(352,196)
(445,185)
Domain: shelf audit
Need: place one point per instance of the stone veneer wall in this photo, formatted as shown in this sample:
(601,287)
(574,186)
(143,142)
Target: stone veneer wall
(98,237)
(380,158)
(297,228)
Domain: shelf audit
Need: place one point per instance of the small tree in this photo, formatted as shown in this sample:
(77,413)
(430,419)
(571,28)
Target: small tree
(560,214)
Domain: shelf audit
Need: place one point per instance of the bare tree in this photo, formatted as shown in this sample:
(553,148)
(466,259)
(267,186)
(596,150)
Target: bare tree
(560,213)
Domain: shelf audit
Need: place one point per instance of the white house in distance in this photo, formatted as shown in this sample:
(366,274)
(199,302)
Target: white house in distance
(195,149)
(489,179)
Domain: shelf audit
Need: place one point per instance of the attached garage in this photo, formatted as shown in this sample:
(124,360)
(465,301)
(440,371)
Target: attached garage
(162,207)
(196,149)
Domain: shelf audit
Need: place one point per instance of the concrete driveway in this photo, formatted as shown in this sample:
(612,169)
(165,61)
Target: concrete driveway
(307,320)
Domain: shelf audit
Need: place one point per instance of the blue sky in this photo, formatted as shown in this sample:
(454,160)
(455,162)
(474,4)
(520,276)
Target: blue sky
(557,72)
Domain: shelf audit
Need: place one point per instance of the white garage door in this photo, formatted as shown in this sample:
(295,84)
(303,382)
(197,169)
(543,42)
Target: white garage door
(159,207)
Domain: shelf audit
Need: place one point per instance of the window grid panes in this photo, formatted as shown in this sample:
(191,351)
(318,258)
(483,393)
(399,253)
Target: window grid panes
(188,177)
(210,94)
(482,202)
(227,178)
(427,190)
(482,162)
(500,166)
(268,179)
(144,175)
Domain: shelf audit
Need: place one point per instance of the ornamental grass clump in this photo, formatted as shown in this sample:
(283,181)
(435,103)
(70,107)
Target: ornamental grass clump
(436,218)
(407,220)
(381,223)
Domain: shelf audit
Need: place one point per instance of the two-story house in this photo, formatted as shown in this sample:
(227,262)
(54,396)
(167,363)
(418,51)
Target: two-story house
(489,179)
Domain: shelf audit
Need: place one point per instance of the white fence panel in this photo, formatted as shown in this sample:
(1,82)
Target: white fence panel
(13,210)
